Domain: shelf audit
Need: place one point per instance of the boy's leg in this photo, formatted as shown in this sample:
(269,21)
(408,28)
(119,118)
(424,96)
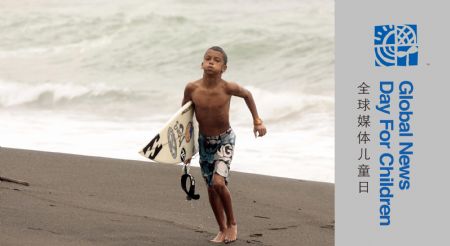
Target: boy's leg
(217,207)
(221,189)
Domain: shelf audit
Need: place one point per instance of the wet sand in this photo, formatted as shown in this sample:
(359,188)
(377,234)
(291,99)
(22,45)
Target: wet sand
(82,200)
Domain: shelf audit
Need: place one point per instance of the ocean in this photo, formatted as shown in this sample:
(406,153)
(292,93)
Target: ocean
(97,77)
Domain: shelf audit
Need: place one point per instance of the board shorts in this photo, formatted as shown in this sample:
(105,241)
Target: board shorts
(216,153)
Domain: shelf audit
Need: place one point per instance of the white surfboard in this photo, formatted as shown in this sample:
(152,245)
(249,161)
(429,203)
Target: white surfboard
(175,142)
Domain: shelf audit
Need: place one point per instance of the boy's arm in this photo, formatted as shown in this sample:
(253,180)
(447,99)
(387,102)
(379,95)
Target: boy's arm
(187,93)
(239,91)
(186,98)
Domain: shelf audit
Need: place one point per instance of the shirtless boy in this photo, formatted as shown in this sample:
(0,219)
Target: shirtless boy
(211,96)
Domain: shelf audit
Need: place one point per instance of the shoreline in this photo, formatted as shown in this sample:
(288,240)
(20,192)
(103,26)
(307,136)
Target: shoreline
(148,162)
(84,200)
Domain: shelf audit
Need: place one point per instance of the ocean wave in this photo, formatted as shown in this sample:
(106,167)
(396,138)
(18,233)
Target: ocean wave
(287,108)
(53,95)
(287,56)
(155,36)
(39,31)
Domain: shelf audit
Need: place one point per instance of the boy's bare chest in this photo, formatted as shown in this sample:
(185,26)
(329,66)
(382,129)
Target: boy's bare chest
(216,98)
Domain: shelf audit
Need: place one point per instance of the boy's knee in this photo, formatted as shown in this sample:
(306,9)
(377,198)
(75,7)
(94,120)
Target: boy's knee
(218,188)
(218,182)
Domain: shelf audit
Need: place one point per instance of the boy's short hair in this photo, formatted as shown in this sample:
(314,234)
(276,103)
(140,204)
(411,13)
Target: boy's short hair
(219,49)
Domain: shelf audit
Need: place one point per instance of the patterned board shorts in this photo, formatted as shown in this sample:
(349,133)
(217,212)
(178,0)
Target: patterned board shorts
(216,153)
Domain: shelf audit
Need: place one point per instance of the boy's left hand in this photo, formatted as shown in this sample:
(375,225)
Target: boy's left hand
(260,129)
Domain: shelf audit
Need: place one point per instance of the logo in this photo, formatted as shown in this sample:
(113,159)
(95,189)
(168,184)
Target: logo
(172,142)
(189,132)
(396,45)
(183,154)
(179,128)
(153,148)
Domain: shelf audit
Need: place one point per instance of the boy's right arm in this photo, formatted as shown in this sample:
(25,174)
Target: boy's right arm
(186,98)
(187,93)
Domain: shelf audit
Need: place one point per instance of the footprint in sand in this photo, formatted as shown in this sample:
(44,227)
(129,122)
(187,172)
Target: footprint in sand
(277,229)
(282,228)
(261,217)
(254,241)
(328,227)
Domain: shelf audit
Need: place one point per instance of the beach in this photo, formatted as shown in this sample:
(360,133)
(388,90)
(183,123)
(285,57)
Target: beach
(84,200)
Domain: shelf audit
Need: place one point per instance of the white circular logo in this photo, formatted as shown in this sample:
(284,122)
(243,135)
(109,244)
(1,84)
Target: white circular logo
(172,142)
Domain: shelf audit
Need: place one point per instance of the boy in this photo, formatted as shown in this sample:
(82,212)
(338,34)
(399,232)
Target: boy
(211,97)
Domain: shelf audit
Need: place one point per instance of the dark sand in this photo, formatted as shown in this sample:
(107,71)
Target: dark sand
(79,200)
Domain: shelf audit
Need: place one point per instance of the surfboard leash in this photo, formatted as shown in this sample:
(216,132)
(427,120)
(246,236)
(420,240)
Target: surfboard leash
(191,193)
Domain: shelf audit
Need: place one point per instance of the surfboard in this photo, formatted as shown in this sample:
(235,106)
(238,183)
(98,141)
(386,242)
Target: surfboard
(175,142)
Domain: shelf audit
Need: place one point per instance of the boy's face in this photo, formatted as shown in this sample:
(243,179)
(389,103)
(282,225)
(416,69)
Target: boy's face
(213,62)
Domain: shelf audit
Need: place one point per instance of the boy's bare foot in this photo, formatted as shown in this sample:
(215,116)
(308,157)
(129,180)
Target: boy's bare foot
(220,238)
(231,234)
